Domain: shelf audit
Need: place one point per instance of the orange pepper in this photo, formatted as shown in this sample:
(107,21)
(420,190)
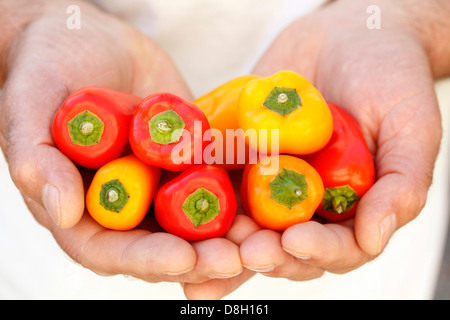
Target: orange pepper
(220,108)
(121,192)
(287,196)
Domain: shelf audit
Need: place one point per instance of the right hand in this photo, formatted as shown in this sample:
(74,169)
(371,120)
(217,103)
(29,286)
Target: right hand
(43,65)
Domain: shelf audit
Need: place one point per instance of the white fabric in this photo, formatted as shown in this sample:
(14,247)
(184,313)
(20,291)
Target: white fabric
(212,42)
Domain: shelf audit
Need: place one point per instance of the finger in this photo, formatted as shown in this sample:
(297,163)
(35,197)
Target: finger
(216,289)
(408,144)
(262,252)
(243,226)
(28,103)
(217,258)
(332,247)
(149,256)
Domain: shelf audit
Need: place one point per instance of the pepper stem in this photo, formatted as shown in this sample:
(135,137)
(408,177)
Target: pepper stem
(163,126)
(201,206)
(339,199)
(283,100)
(113,196)
(288,188)
(86,129)
(166,127)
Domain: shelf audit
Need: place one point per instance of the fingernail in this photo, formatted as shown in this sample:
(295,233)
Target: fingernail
(177,273)
(173,273)
(267,268)
(50,199)
(298,255)
(217,275)
(387,228)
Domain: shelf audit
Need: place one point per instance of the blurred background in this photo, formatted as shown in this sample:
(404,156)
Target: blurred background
(443,282)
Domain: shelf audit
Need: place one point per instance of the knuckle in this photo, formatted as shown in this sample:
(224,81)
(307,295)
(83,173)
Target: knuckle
(22,170)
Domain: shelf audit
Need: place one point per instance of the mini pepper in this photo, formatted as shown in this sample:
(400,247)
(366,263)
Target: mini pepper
(197,204)
(346,167)
(289,103)
(91,127)
(284,197)
(220,107)
(121,193)
(168,132)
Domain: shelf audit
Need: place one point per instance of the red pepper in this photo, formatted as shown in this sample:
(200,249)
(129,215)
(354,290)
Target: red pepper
(198,204)
(168,132)
(346,167)
(91,126)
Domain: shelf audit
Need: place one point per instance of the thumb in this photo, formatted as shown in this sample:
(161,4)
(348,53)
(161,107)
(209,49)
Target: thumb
(408,144)
(39,170)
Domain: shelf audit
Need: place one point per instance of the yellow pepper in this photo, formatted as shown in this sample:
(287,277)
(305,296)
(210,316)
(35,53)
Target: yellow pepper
(121,192)
(290,104)
(220,108)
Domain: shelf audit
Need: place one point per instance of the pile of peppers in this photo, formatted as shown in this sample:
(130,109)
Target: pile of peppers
(171,159)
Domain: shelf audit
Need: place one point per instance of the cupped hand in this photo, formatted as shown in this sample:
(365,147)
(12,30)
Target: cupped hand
(45,63)
(383,77)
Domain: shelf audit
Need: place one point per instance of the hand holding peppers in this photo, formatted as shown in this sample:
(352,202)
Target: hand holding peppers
(199,203)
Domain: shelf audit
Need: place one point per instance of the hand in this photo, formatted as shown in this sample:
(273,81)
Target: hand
(46,62)
(385,80)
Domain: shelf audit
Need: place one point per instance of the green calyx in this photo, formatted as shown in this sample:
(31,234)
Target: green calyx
(166,127)
(288,188)
(283,100)
(113,196)
(339,199)
(201,206)
(86,129)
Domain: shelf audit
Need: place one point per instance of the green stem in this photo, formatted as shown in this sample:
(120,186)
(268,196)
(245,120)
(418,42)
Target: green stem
(113,196)
(86,129)
(283,100)
(166,127)
(339,199)
(288,188)
(201,206)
